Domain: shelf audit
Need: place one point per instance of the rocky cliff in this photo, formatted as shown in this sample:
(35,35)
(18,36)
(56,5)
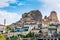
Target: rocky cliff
(53,16)
(34,15)
(30,16)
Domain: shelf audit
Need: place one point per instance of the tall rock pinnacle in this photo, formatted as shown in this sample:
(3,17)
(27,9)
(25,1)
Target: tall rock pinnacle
(53,16)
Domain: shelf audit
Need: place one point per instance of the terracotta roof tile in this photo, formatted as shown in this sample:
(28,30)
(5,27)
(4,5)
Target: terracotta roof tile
(2,25)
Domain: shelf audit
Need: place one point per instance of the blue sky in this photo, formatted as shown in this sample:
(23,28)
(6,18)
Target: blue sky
(12,10)
(23,5)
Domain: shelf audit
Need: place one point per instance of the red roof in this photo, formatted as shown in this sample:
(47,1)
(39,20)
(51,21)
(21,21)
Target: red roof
(2,25)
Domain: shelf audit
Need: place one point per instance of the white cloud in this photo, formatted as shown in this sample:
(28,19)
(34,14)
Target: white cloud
(20,4)
(5,3)
(10,17)
(23,4)
(50,5)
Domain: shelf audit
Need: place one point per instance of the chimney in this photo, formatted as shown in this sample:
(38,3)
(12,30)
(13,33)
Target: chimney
(4,21)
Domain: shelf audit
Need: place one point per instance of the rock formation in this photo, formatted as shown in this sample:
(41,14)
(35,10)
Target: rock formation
(46,19)
(34,15)
(53,17)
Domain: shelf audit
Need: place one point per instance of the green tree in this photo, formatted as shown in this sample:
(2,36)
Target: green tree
(22,35)
(7,38)
(14,37)
(8,27)
(27,35)
(2,37)
(30,34)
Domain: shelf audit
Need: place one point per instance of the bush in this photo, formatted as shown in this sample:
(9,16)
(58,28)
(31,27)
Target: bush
(22,35)
(7,38)
(2,37)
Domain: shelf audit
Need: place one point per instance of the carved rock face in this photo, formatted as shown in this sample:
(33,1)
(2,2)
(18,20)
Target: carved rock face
(46,19)
(35,15)
(53,16)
